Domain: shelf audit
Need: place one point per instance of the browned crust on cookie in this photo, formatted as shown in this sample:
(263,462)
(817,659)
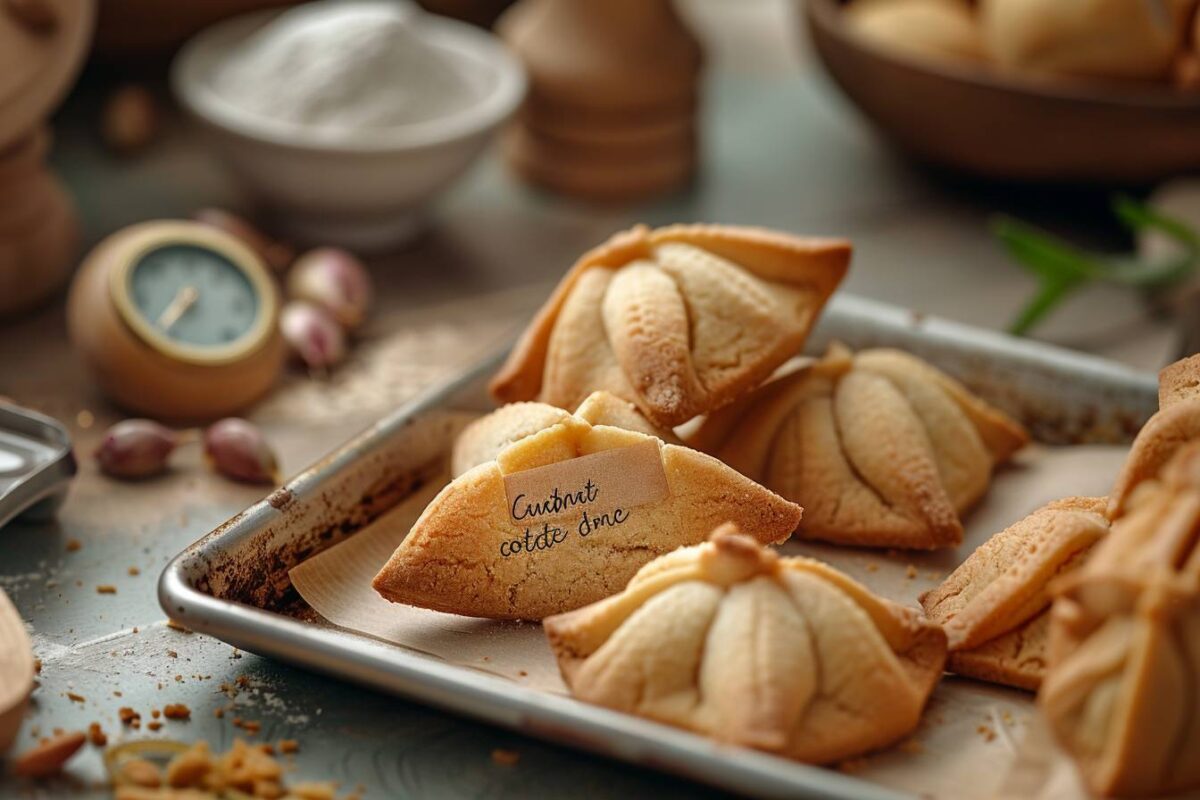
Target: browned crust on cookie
(1160,438)
(1179,381)
(452,559)
(819,264)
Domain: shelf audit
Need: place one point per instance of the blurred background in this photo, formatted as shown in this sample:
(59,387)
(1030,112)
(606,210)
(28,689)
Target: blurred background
(889,122)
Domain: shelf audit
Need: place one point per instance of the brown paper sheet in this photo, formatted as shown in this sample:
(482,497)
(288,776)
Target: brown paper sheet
(970,736)
(337,584)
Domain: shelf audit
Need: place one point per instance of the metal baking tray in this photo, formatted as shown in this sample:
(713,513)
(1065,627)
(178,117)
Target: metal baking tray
(233,583)
(36,464)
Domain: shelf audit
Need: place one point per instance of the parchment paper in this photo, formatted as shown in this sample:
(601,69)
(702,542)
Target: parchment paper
(970,735)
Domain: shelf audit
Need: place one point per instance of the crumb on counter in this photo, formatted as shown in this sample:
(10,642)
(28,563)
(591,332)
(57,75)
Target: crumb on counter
(177,711)
(107,588)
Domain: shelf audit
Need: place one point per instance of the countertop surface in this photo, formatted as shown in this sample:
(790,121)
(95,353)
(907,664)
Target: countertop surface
(781,149)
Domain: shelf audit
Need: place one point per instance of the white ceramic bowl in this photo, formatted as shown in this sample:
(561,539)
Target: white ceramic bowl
(369,190)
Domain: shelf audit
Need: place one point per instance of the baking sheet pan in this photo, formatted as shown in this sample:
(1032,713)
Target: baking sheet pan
(233,583)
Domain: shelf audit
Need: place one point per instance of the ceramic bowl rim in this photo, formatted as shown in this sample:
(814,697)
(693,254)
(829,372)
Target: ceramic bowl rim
(471,47)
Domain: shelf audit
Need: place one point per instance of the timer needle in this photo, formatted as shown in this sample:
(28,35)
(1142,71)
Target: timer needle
(184,299)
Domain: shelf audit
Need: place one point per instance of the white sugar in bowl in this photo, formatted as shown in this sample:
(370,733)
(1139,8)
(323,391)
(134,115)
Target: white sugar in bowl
(343,126)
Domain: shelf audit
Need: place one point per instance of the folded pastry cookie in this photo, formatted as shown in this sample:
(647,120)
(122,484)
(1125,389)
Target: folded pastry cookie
(995,606)
(565,517)
(729,640)
(1086,38)
(879,447)
(1122,691)
(678,320)
(1176,423)
(484,438)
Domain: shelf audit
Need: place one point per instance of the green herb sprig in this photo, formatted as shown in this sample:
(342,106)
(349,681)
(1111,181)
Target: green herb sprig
(1062,268)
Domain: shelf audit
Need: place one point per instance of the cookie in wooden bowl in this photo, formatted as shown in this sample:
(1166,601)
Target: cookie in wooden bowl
(565,517)
(678,320)
(1122,691)
(731,641)
(881,448)
(995,606)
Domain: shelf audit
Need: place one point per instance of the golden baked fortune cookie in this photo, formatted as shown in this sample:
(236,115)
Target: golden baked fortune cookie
(880,448)
(678,320)
(731,641)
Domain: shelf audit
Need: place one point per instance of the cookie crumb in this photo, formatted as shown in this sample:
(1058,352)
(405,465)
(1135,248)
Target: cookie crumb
(289,746)
(248,725)
(154,725)
(505,758)
(96,735)
(176,626)
(76,698)
(986,732)
(872,566)
(911,572)
(74,545)
(107,588)
(177,711)
(134,571)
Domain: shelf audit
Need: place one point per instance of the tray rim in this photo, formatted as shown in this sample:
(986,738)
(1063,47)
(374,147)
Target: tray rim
(51,479)
(558,719)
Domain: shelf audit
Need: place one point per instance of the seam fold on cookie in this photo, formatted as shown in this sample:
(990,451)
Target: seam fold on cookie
(470,554)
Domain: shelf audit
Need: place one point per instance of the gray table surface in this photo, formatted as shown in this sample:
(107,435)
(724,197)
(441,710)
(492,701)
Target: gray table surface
(781,149)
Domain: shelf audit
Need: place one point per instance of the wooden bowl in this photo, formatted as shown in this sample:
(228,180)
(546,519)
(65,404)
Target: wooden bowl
(973,119)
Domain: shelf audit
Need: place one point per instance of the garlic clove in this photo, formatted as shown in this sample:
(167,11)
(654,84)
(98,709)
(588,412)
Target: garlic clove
(335,280)
(313,335)
(278,255)
(136,448)
(238,450)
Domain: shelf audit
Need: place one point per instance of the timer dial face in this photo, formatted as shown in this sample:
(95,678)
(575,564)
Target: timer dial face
(193,295)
